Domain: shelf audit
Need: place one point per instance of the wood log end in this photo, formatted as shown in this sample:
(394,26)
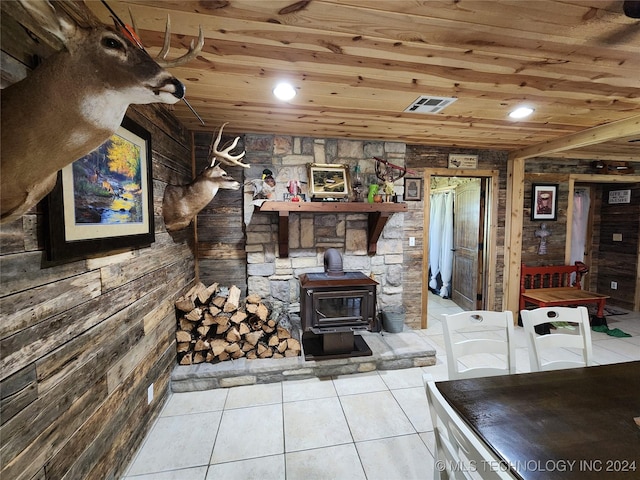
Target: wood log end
(182,336)
(254,298)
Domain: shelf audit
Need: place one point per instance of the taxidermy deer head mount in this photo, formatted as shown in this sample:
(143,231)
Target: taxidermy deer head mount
(75,101)
(181,203)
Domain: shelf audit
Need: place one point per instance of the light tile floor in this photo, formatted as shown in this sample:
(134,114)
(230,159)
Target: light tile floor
(366,426)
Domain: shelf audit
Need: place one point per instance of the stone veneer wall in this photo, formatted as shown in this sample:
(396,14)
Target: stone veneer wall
(311,234)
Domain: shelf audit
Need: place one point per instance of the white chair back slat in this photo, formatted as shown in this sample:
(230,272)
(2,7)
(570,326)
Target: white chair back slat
(479,332)
(579,339)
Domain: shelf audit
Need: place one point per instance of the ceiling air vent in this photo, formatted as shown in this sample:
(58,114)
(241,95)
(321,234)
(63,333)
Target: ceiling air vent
(429,105)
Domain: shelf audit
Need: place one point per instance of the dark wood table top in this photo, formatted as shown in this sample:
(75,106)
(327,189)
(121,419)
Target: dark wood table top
(561,424)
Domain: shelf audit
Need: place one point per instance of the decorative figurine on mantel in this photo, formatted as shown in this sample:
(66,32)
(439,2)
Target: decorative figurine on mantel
(373,192)
(357,185)
(293,187)
(264,187)
(542,233)
(389,174)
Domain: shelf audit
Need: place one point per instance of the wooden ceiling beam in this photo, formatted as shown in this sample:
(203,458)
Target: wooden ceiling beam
(591,136)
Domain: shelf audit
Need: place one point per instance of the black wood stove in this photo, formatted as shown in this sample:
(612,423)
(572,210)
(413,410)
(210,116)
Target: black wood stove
(333,305)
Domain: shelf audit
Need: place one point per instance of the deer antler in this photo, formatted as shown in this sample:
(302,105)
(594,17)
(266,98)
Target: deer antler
(387,174)
(193,52)
(224,155)
(161,58)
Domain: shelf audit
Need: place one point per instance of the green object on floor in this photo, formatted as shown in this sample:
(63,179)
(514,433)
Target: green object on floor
(615,332)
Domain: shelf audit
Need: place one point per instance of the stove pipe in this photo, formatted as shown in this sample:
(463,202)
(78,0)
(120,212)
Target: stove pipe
(333,263)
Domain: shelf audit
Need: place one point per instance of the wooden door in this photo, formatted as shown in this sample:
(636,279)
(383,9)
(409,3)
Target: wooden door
(466,284)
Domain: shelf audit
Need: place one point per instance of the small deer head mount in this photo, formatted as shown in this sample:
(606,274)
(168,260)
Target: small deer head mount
(181,203)
(74,102)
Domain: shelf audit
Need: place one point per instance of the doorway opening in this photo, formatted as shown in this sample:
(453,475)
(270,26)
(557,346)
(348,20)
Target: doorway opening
(604,232)
(458,259)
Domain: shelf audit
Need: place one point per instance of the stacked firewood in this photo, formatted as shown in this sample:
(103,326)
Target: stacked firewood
(213,326)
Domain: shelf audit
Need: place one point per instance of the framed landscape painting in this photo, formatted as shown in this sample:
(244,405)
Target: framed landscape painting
(103,201)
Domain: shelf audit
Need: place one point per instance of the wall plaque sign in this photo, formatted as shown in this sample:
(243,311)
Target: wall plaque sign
(457,160)
(619,196)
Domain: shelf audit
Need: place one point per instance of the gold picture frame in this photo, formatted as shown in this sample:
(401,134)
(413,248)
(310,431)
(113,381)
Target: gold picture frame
(328,180)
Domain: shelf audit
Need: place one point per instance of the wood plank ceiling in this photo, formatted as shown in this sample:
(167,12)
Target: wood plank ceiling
(358,64)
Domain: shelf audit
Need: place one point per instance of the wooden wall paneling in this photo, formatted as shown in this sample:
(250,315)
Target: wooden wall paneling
(115,275)
(33,435)
(35,341)
(102,444)
(17,391)
(82,341)
(114,337)
(594,260)
(30,307)
(194,225)
(636,301)
(12,237)
(220,228)
(547,171)
(118,438)
(619,258)
(600,186)
(412,263)
(24,270)
(493,236)
(121,369)
(228,271)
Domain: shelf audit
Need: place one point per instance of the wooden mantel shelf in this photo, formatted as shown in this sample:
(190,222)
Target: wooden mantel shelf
(378,214)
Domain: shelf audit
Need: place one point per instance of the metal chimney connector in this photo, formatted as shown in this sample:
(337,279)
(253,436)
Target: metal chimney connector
(333,263)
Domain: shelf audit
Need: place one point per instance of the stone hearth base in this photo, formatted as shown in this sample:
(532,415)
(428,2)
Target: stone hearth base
(391,351)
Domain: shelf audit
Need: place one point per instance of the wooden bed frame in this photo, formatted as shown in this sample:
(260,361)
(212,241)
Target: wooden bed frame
(550,286)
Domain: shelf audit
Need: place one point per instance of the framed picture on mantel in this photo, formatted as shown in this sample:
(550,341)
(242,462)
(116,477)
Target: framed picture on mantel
(328,181)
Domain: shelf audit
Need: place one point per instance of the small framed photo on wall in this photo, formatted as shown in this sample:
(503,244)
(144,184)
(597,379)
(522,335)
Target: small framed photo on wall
(544,201)
(412,189)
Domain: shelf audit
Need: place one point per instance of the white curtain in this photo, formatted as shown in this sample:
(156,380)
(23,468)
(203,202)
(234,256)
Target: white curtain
(436,218)
(446,252)
(441,241)
(579,223)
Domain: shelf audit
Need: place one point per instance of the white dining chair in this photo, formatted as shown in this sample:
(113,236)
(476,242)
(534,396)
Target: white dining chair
(479,332)
(577,336)
(460,454)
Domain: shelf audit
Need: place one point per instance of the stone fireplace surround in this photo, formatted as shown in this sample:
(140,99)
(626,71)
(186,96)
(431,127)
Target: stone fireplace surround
(311,234)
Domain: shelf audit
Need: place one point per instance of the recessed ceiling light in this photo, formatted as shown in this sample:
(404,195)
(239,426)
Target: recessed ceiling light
(521,112)
(284,91)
